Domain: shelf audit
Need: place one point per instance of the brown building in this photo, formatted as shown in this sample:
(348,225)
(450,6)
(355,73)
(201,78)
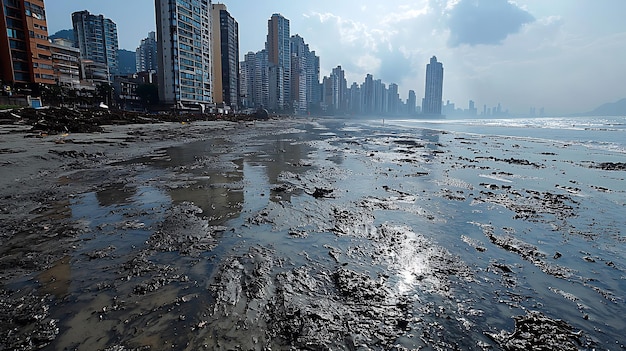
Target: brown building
(25,55)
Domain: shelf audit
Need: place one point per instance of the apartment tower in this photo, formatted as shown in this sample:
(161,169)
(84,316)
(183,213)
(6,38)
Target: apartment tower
(279,60)
(434,88)
(25,51)
(185,55)
(146,58)
(226,53)
(96,38)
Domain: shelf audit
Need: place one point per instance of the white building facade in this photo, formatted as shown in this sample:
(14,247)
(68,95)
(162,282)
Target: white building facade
(185,56)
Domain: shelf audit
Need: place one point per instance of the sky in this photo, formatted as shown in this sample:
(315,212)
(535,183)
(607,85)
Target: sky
(566,56)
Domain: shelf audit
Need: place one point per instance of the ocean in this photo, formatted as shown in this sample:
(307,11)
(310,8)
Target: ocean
(471,234)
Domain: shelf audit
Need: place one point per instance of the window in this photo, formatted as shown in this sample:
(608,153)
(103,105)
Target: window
(20,66)
(17,45)
(24,77)
(11,33)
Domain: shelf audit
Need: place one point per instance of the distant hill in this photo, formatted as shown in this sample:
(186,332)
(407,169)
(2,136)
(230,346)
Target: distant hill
(63,34)
(127,61)
(610,109)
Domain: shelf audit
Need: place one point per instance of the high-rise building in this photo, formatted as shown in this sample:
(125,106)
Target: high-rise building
(380,96)
(25,51)
(393,101)
(226,53)
(411,102)
(146,54)
(279,58)
(314,91)
(96,37)
(299,84)
(434,88)
(254,77)
(246,70)
(331,92)
(185,55)
(367,94)
(305,73)
(261,79)
(472,108)
(354,98)
(340,89)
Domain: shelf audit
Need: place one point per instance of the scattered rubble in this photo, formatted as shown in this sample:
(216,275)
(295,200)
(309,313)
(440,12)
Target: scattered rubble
(57,120)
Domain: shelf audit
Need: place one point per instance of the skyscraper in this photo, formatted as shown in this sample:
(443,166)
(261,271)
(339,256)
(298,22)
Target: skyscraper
(260,84)
(185,56)
(393,100)
(25,51)
(340,89)
(226,54)
(254,76)
(434,88)
(411,102)
(367,94)
(354,98)
(96,37)
(305,73)
(279,59)
(146,54)
(246,72)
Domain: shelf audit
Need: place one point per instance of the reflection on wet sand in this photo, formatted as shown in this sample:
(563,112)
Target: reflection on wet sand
(218,193)
(56,280)
(117,193)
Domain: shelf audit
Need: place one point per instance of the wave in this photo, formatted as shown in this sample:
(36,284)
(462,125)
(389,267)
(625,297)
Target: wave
(599,133)
(568,123)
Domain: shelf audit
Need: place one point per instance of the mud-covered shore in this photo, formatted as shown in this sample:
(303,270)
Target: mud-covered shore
(306,234)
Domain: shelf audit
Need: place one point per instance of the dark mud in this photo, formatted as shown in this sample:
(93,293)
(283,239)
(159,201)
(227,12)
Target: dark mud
(301,234)
(535,331)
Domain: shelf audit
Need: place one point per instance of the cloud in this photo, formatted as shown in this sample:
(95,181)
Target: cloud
(395,66)
(405,13)
(350,32)
(489,22)
(367,63)
(352,44)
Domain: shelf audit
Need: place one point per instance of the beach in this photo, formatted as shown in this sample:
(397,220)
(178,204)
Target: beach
(314,233)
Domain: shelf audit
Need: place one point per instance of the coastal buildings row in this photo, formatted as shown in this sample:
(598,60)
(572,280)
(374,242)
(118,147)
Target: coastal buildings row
(29,59)
(193,58)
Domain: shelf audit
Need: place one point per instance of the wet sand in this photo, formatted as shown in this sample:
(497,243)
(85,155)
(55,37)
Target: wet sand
(305,234)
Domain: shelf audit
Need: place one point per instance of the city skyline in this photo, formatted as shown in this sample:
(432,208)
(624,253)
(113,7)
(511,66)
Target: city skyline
(530,53)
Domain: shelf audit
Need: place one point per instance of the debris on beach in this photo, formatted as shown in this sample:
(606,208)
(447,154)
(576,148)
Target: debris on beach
(535,331)
(58,120)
